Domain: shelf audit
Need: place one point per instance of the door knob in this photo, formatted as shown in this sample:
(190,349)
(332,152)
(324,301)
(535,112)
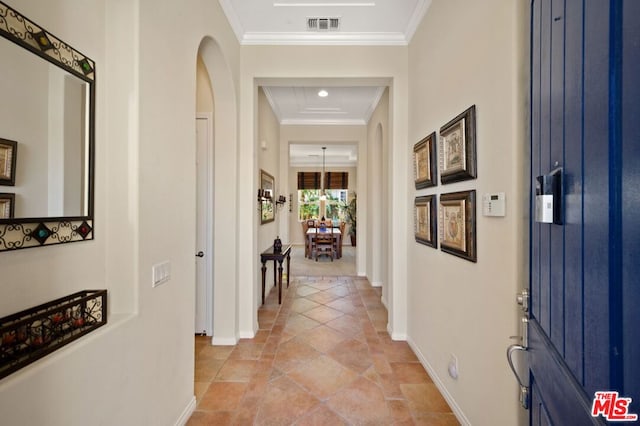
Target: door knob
(522,299)
(200,254)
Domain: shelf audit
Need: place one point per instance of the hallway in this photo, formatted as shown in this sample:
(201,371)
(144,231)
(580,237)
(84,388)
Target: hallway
(322,358)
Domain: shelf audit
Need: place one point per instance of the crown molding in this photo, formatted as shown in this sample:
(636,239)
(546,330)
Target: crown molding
(374,104)
(329,38)
(322,122)
(324,4)
(233,18)
(418,14)
(274,106)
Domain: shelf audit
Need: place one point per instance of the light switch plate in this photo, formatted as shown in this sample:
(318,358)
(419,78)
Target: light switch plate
(161,273)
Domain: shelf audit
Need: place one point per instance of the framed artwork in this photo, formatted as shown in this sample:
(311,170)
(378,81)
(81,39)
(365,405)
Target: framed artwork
(7,205)
(8,154)
(424,162)
(425,220)
(458,224)
(267,185)
(458,148)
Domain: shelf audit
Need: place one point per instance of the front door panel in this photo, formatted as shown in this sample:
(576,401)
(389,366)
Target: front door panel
(584,277)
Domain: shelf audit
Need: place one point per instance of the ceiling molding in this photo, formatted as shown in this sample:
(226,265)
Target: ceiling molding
(374,104)
(233,18)
(272,102)
(323,122)
(333,39)
(284,3)
(416,18)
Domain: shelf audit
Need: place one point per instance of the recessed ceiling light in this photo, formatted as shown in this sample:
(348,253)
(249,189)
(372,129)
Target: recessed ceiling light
(323,93)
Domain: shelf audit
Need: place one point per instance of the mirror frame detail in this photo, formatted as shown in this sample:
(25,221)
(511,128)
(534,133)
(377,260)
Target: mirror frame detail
(20,233)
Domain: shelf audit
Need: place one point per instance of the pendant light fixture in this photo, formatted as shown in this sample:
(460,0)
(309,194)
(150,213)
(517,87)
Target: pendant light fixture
(323,196)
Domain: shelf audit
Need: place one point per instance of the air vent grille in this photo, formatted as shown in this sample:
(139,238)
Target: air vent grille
(323,24)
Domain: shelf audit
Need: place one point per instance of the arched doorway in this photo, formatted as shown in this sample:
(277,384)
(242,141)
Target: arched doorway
(221,211)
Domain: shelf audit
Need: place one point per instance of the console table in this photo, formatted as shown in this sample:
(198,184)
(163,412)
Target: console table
(278,258)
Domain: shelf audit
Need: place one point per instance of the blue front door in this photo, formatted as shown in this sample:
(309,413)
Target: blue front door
(584,317)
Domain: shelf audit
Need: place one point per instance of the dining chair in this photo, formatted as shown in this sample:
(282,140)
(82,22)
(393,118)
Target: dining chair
(323,244)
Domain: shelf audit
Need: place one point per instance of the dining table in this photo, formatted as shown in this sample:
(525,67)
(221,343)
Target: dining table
(337,235)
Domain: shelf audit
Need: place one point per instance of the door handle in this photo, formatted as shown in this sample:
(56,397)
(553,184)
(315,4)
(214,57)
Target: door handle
(524,390)
(200,254)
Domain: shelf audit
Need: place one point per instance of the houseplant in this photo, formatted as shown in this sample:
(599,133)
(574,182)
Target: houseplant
(350,209)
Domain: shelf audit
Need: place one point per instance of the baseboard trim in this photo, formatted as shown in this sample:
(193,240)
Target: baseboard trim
(457,411)
(376,284)
(384,302)
(224,341)
(187,412)
(395,336)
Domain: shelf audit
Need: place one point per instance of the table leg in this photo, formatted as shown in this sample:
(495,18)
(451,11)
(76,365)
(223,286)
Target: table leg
(275,264)
(280,282)
(264,276)
(288,268)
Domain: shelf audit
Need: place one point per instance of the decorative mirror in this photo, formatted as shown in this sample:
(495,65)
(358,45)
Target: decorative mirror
(46,136)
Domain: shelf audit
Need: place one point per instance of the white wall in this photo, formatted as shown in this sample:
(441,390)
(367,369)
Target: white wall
(468,53)
(139,368)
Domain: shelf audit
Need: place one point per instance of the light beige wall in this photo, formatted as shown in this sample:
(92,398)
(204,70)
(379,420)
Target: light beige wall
(204,92)
(468,53)
(378,207)
(326,62)
(269,161)
(139,368)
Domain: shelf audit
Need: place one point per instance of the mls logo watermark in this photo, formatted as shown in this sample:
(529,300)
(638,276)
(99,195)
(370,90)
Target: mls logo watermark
(612,407)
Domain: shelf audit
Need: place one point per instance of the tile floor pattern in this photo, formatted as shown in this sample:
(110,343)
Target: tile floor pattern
(323,357)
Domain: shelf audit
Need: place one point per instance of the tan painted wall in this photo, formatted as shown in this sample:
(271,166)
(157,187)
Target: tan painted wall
(379,209)
(269,161)
(316,63)
(468,53)
(139,368)
(204,92)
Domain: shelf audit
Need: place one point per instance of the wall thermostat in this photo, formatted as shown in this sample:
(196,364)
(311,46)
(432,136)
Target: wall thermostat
(493,204)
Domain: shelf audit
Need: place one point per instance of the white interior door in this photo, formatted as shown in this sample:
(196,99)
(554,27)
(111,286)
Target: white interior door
(203,253)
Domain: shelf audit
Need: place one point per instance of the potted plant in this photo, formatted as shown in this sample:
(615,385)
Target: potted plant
(350,209)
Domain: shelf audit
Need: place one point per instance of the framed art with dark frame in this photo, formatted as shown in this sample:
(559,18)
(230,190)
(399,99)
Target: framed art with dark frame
(458,224)
(458,148)
(424,162)
(8,155)
(7,205)
(425,220)
(267,184)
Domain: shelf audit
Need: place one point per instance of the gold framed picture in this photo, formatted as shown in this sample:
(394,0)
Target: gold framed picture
(458,148)
(8,155)
(458,224)
(7,205)
(425,220)
(424,162)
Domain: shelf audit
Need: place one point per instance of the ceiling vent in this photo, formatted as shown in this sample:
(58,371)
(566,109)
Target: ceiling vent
(323,24)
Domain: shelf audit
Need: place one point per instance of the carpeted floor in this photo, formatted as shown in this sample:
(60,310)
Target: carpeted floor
(324,267)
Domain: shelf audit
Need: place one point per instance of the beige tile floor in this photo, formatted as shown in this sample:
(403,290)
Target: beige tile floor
(323,357)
